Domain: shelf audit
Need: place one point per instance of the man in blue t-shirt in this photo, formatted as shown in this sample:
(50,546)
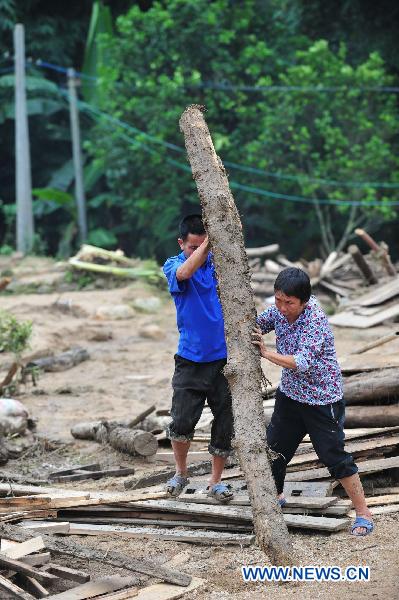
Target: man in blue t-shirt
(200,358)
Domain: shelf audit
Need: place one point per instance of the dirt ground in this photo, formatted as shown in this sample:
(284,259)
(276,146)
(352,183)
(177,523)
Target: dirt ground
(127,373)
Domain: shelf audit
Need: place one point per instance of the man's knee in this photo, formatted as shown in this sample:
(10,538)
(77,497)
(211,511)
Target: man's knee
(181,428)
(344,468)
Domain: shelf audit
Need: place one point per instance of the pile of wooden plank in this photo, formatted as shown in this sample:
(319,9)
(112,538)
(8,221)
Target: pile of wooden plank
(28,571)
(344,277)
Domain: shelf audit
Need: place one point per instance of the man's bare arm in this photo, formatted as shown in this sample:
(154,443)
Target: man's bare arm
(193,262)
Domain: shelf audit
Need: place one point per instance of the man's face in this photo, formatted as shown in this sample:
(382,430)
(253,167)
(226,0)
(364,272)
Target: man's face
(289,306)
(191,243)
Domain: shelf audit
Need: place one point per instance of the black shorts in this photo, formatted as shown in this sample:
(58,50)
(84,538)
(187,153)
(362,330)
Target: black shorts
(193,383)
(292,420)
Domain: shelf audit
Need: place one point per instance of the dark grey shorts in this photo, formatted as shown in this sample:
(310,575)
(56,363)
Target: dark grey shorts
(193,383)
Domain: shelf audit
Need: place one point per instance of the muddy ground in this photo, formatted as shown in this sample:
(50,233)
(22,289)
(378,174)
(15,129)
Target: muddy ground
(128,372)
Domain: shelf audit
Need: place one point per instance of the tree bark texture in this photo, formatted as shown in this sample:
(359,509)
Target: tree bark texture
(243,370)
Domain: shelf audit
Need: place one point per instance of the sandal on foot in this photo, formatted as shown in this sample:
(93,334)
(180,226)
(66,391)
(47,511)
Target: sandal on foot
(282,502)
(362,522)
(176,485)
(221,492)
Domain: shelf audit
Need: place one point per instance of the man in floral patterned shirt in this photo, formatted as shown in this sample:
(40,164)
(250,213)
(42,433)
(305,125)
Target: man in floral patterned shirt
(310,396)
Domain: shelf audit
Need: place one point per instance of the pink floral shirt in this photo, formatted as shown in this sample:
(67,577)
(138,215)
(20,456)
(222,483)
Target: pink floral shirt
(317,378)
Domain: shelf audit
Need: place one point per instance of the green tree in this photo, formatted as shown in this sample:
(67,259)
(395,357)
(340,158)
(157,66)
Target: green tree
(346,133)
(221,54)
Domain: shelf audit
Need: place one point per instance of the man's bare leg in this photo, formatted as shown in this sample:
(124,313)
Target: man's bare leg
(218,463)
(180,451)
(353,487)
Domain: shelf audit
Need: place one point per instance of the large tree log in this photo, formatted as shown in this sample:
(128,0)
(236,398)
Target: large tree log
(372,416)
(243,370)
(372,385)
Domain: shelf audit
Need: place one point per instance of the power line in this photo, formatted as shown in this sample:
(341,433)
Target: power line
(252,88)
(254,170)
(250,189)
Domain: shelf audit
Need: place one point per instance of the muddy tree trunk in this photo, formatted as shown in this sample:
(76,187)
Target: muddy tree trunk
(243,370)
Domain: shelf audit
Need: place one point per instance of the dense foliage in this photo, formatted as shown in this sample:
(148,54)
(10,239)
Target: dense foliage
(281,147)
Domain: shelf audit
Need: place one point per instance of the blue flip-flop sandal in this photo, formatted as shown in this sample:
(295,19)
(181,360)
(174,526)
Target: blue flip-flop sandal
(362,522)
(176,485)
(221,492)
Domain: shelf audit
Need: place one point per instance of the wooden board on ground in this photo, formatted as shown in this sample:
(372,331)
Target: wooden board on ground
(365,467)
(194,537)
(355,448)
(162,591)
(67,573)
(349,318)
(14,590)
(20,567)
(379,294)
(46,526)
(352,434)
(17,550)
(242,514)
(116,559)
(32,585)
(94,588)
(243,500)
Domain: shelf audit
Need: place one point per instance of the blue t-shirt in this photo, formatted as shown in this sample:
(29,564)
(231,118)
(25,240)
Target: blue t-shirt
(199,312)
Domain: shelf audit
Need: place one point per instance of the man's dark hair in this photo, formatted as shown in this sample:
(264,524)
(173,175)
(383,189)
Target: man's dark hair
(294,282)
(191,224)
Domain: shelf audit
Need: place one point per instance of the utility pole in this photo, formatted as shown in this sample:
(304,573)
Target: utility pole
(77,155)
(23,180)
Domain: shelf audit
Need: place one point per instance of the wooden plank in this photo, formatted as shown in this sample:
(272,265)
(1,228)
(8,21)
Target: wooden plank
(33,586)
(94,588)
(349,318)
(379,294)
(90,467)
(351,434)
(130,592)
(242,514)
(67,573)
(62,546)
(81,476)
(173,522)
(19,550)
(354,448)
(194,537)
(14,590)
(20,567)
(46,526)
(243,500)
(24,502)
(318,523)
(162,591)
(365,467)
(379,510)
(309,488)
(386,499)
(36,560)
